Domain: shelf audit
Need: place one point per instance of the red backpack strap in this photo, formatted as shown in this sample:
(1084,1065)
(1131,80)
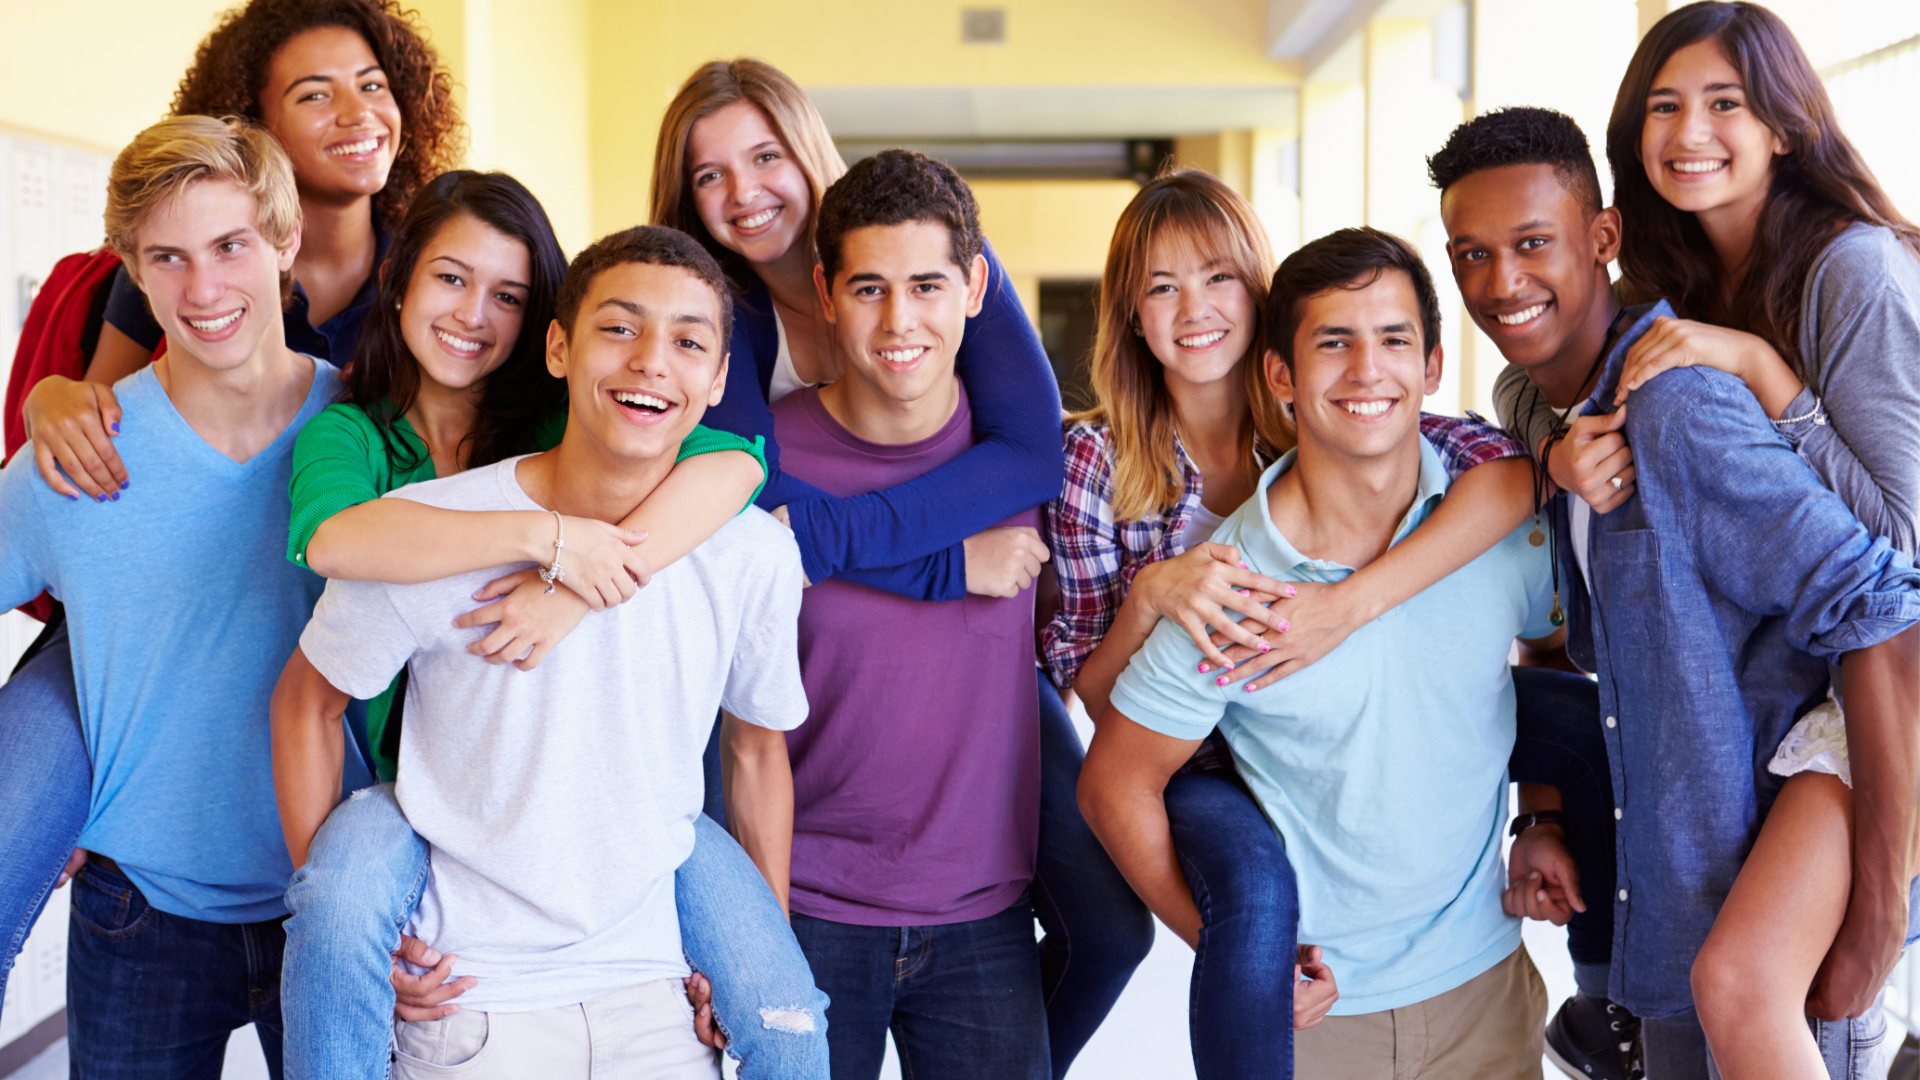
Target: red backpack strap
(55,325)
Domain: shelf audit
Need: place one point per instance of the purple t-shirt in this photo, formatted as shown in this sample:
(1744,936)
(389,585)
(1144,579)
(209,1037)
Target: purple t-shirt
(916,779)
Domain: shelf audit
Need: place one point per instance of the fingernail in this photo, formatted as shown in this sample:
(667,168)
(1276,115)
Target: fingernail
(1205,667)
(125,484)
(1243,592)
(1264,647)
(1228,666)
(1244,566)
(1221,681)
(116,427)
(115,496)
(99,498)
(1291,591)
(73,498)
(1251,688)
(1284,626)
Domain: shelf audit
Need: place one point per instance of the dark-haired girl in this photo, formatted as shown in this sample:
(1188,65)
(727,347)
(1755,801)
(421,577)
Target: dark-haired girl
(365,111)
(451,375)
(1744,204)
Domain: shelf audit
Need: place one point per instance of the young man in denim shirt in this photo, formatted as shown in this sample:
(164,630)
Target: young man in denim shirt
(1710,591)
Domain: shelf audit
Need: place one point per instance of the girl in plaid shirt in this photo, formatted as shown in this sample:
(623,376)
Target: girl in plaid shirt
(1183,428)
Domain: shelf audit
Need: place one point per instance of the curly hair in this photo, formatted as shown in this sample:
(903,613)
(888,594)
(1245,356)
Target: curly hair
(894,187)
(1522,135)
(229,73)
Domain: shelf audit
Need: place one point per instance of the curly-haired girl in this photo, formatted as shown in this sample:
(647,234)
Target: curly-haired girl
(363,107)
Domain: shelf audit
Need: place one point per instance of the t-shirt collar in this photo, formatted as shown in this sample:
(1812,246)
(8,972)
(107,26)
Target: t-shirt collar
(1282,557)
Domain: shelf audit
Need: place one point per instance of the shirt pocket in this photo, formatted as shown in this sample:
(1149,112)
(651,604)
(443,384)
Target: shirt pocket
(994,616)
(1634,614)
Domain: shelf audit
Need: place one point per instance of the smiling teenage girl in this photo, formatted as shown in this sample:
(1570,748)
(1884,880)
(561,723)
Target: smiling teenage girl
(365,112)
(1744,204)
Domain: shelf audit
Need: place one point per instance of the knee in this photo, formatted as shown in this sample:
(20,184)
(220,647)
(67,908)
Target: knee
(362,875)
(1729,987)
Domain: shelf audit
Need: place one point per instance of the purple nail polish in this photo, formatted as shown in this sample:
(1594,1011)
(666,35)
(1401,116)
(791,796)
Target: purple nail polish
(1221,681)
(115,496)
(116,427)
(125,484)
(99,498)
(1205,667)
(73,498)
(1264,647)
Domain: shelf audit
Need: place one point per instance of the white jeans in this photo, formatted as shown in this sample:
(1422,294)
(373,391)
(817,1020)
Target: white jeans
(643,1031)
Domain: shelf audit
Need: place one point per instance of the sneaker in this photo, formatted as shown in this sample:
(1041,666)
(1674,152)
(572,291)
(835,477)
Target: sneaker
(1594,1039)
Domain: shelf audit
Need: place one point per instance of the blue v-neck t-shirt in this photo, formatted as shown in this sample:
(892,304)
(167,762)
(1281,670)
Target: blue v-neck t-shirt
(183,610)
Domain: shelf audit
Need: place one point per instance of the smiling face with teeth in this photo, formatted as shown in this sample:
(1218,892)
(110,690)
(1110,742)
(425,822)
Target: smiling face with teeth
(747,188)
(899,306)
(329,103)
(643,361)
(1359,371)
(1196,316)
(210,277)
(465,305)
(1703,148)
(1531,264)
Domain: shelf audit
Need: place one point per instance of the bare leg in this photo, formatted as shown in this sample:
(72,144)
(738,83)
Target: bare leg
(1751,978)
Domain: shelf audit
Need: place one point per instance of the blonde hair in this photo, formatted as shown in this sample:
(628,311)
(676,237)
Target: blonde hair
(788,110)
(172,155)
(1129,384)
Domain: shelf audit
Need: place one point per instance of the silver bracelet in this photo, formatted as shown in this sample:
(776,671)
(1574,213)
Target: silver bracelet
(1817,414)
(556,573)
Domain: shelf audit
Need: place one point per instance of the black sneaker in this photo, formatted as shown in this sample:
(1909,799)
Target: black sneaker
(1594,1039)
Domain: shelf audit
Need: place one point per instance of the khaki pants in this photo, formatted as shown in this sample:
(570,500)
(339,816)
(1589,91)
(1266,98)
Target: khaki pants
(1488,1028)
(644,1032)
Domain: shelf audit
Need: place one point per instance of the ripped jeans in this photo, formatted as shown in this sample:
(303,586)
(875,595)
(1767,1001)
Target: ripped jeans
(365,873)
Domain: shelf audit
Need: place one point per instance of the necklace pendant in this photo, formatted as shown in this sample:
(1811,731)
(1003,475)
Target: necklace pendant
(1536,537)
(1556,617)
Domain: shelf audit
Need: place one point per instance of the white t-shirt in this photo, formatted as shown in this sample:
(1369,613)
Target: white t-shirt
(1198,529)
(786,377)
(559,802)
(1579,510)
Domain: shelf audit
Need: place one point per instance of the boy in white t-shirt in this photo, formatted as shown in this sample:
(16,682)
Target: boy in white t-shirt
(557,803)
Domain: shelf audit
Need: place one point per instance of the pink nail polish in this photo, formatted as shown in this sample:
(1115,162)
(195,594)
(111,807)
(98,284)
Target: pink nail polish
(1264,647)
(1205,667)
(1244,566)
(1228,666)
(1250,688)
(1291,591)
(1221,681)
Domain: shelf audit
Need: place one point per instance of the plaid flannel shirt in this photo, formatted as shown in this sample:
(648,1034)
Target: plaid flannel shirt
(1096,557)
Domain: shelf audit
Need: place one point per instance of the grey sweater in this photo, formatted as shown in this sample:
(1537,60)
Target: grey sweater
(1860,337)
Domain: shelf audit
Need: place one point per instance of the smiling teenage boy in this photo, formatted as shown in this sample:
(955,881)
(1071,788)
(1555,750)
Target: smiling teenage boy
(182,612)
(1393,821)
(1709,589)
(556,804)
(917,783)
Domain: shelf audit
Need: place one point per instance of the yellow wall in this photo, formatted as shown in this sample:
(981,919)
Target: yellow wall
(93,73)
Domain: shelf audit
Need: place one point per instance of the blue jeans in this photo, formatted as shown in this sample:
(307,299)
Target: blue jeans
(1676,1049)
(153,995)
(1559,742)
(46,781)
(962,999)
(1240,1000)
(364,875)
(1097,930)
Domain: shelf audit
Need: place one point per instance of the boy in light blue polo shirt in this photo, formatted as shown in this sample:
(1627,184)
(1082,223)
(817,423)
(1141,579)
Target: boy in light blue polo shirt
(1384,766)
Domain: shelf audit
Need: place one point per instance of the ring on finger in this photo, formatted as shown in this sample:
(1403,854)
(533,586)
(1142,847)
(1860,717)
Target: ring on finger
(1616,482)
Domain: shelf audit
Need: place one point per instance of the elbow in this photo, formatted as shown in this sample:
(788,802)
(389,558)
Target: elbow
(321,556)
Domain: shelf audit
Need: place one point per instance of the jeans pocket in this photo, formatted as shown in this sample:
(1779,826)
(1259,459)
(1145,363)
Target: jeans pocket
(105,903)
(442,1047)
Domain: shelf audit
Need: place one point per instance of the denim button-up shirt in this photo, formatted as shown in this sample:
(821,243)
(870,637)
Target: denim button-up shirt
(1720,592)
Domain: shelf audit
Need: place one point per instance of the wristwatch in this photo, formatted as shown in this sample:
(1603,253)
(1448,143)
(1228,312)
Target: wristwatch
(1537,817)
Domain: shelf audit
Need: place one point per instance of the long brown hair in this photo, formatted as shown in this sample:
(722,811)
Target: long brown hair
(712,87)
(1129,384)
(229,73)
(1818,187)
(384,378)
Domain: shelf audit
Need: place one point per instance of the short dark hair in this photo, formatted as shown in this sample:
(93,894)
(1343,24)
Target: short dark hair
(1345,259)
(894,187)
(650,245)
(1522,135)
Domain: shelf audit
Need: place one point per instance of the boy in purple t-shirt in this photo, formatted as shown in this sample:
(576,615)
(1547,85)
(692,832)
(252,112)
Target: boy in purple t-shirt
(917,780)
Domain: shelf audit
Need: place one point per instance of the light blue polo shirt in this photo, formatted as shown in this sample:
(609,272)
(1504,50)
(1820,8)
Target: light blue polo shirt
(1384,766)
